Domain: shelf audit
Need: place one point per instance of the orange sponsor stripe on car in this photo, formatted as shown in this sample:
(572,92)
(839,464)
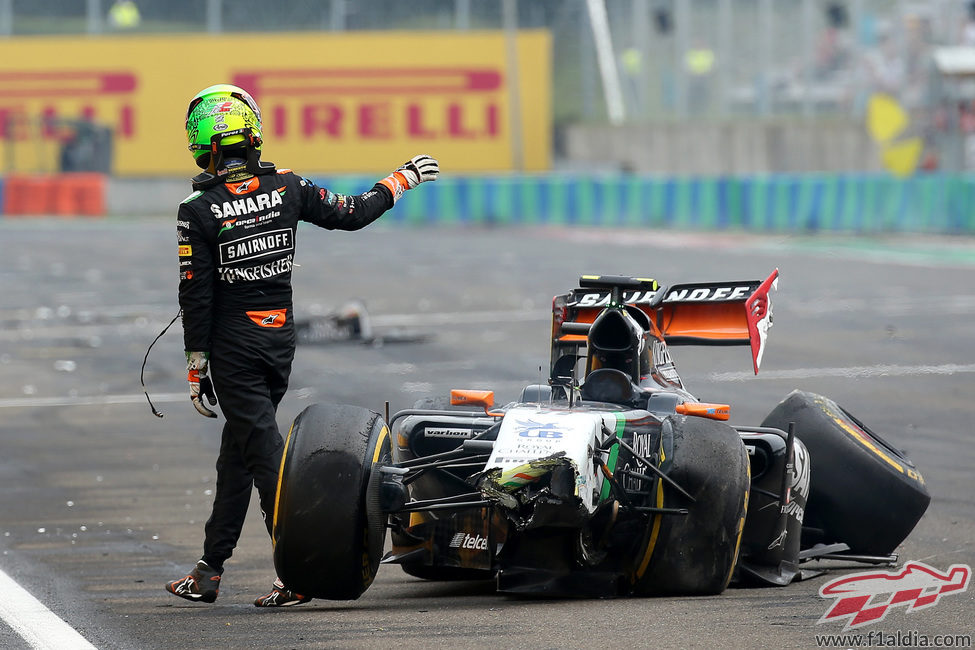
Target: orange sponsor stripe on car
(704,410)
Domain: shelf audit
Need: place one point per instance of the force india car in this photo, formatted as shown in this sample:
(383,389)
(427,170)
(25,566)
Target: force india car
(611,479)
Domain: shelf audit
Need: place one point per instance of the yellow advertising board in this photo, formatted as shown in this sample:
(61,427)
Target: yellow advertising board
(357,102)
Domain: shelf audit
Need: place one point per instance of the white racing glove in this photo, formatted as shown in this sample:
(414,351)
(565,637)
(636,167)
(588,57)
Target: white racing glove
(197,364)
(419,169)
(416,170)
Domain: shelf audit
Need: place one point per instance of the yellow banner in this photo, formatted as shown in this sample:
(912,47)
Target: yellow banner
(332,103)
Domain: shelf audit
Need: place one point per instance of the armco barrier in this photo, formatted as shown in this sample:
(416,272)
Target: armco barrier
(935,203)
(75,194)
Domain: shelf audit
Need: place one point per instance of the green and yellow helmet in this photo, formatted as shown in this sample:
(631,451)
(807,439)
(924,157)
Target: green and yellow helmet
(224,90)
(217,122)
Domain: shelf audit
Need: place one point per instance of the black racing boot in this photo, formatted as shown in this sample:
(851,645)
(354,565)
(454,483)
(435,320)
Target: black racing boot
(201,584)
(280,596)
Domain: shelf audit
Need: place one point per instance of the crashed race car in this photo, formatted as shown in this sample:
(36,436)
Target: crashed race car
(610,480)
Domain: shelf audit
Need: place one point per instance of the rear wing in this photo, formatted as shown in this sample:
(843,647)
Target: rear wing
(707,313)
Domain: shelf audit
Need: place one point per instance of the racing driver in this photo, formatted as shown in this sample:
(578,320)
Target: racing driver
(236,235)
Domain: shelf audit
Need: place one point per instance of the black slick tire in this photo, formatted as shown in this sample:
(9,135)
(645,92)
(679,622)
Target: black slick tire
(694,554)
(863,491)
(329,529)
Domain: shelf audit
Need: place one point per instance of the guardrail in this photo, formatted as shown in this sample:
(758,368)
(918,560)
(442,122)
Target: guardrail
(776,203)
(933,203)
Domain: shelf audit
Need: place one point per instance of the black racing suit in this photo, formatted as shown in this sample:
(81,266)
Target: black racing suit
(236,250)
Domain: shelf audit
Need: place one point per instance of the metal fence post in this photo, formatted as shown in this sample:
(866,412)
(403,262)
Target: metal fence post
(6,17)
(808,55)
(338,15)
(462,14)
(682,45)
(606,58)
(509,19)
(214,16)
(725,52)
(639,79)
(587,67)
(94,16)
(859,47)
(766,27)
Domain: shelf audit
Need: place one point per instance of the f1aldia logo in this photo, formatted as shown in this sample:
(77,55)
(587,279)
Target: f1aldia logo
(866,598)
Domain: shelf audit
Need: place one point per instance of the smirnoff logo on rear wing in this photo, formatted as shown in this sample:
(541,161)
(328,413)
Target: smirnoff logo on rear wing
(717,292)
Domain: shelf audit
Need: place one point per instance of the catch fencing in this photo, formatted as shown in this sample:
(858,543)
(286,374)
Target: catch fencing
(672,58)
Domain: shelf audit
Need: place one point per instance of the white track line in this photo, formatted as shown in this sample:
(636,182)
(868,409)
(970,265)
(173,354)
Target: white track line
(461,317)
(35,623)
(43,332)
(851,372)
(92,400)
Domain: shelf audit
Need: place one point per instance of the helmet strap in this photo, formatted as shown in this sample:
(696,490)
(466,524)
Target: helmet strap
(216,154)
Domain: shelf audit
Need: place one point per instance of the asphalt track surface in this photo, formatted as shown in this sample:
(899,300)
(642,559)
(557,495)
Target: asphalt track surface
(101,503)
